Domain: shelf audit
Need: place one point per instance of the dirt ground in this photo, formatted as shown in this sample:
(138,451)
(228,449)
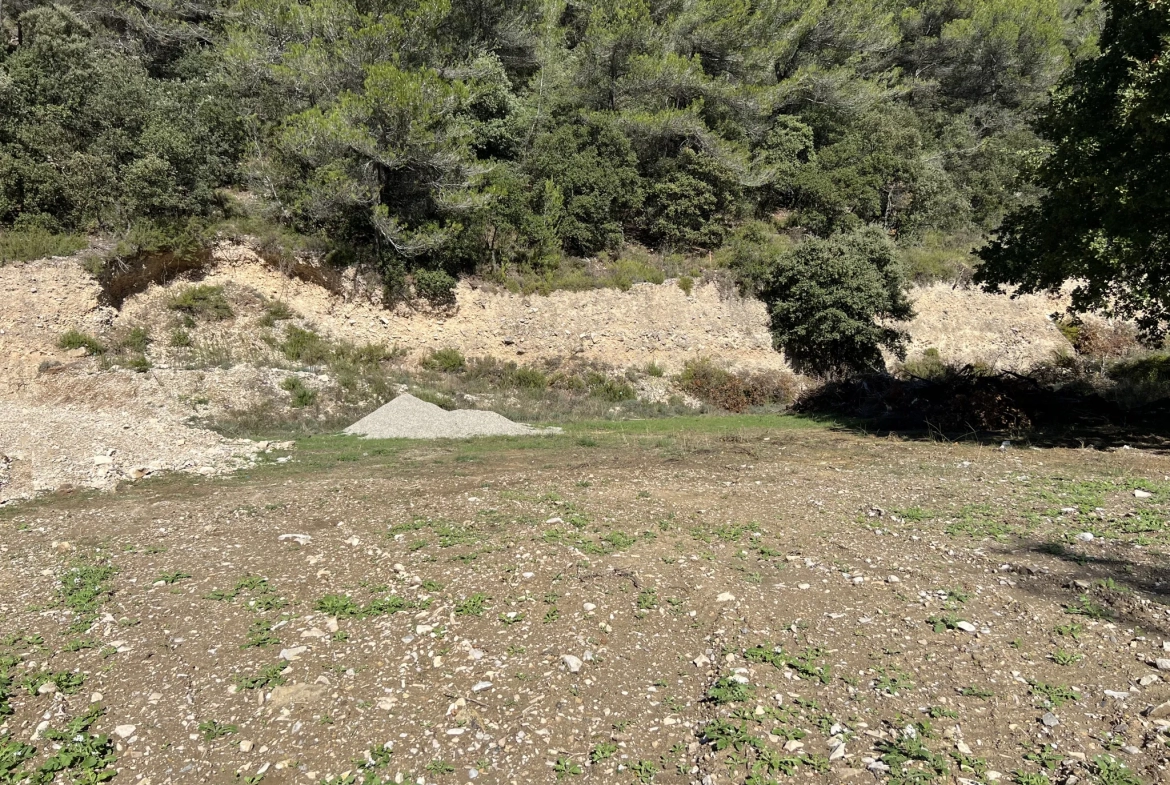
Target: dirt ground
(697,600)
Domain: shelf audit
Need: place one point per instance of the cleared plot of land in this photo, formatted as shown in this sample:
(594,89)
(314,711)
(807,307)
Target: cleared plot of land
(745,599)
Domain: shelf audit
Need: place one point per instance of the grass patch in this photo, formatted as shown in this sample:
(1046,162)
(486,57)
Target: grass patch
(201,302)
(84,588)
(300,395)
(25,245)
(445,361)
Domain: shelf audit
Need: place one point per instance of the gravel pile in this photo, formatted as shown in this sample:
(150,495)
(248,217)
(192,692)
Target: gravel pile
(407,417)
(43,448)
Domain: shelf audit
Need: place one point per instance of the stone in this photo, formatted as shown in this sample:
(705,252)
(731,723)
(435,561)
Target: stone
(1148,679)
(299,539)
(1159,711)
(287,694)
(480,686)
(837,753)
(1085,537)
(47,688)
(966,626)
(294,653)
(702,661)
(1138,493)
(571,663)
(125,731)
(246,745)
(589,607)
(1162,663)
(1050,720)
(725,597)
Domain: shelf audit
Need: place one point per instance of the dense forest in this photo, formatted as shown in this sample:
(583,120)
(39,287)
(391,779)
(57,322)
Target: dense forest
(429,138)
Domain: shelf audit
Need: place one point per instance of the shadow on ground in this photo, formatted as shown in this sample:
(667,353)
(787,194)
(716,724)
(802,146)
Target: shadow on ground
(990,408)
(1106,586)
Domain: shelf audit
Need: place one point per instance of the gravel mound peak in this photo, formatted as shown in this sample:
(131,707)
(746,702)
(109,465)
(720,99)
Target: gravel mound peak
(407,417)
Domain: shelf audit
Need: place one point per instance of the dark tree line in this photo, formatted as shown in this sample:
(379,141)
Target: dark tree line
(432,137)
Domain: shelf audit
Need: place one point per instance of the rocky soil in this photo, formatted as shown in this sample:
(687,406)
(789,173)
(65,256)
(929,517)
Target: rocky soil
(698,604)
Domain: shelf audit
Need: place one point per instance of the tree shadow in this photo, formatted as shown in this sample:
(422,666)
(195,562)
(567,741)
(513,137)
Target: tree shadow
(1103,587)
(988,409)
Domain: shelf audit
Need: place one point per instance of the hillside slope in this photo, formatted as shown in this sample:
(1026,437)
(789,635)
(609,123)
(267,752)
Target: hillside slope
(68,419)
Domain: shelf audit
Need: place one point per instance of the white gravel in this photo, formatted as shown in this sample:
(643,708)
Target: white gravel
(407,417)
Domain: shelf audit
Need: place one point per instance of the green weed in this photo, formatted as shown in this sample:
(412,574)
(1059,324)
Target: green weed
(74,339)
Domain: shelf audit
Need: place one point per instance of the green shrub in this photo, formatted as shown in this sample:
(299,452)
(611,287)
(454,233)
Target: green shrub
(529,379)
(445,360)
(276,311)
(655,370)
(201,302)
(180,338)
(302,396)
(37,243)
(626,271)
(74,339)
(686,283)
(435,286)
(608,388)
(937,257)
(735,392)
(928,366)
(136,340)
(438,399)
(304,346)
(832,301)
(137,363)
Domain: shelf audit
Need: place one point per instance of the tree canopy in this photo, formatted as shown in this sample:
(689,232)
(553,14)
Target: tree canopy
(1104,220)
(453,135)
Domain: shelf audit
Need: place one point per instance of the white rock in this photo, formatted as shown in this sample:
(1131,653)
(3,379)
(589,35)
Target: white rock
(299,539)
(246,745)
(962,747)
(966,626)
(1162,663)
(837,753)
(294,653)
(1085,536)
(589,607)
(571,663)
(725,597)
(125,731)
(480,686)
(701,661)
(1148,679)
(1140,494)
(47,688)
